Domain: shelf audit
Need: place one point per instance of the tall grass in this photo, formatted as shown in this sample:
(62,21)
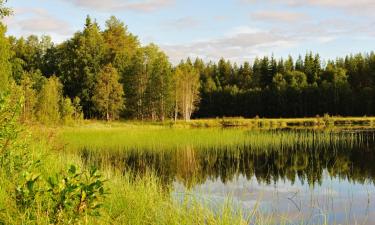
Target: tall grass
(157,138)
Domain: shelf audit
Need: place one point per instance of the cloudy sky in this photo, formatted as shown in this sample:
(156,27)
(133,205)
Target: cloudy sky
(238,30)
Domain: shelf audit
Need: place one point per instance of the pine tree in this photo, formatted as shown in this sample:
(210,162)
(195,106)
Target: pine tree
(120,44)
(82,58)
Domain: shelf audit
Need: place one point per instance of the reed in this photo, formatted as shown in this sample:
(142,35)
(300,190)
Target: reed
(104,140)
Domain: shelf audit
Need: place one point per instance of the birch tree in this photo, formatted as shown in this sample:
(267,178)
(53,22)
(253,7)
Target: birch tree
(186,90)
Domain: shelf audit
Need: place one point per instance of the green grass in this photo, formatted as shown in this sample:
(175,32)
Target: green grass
(322,122)
(313,122)
(135,199)
(107,138)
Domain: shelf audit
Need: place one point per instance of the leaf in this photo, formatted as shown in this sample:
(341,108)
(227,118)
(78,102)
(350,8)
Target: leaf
(72,170)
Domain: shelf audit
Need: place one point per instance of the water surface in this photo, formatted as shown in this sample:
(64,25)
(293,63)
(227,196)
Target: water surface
(330,181)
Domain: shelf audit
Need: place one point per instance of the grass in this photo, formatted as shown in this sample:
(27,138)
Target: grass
(267,123)
(135,199)
(317,122)
(108,138)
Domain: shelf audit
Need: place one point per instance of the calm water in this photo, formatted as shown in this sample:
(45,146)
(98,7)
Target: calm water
(325,182)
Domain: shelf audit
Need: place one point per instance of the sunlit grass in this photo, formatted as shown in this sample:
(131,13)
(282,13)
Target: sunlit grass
(104,139)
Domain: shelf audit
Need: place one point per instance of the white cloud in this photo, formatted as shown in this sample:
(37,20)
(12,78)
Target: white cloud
(27,21)
(182,23)
(244,30)
(238,46)
(278,16)
(354,6)
(244,43)
(120,5)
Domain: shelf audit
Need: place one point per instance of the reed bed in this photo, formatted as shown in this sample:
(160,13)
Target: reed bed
(158,138)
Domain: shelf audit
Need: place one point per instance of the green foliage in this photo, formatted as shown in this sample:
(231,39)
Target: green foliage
(5,54)
(75,195)
(30,98)
(108,93)
(48,106)
(158,93)
(26,192)
(11,149)
(81,60)
(67,111)
(296,79)
(78,114)
(148,85)
(4,11)
(120,44)
(64,198)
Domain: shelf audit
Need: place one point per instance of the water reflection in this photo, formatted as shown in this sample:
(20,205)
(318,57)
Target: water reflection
(330,182)
(191,165)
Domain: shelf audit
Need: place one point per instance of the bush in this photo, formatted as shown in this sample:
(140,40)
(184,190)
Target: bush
(64,198)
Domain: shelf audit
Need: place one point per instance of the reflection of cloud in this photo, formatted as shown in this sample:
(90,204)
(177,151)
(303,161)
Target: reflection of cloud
(120,5)
(329,192)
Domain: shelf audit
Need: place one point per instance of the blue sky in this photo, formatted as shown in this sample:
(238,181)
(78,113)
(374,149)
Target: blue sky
(238,30)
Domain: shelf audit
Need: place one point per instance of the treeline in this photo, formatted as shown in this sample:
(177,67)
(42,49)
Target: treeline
(106,73)
(288,88)
(103,73)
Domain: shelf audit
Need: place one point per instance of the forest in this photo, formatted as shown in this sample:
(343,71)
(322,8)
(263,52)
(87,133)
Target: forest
(107,74)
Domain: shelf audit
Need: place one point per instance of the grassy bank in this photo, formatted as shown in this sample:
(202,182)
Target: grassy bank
(312,122)
(249,123)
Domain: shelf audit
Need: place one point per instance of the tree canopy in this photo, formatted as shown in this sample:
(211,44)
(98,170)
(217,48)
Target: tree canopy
(108,93)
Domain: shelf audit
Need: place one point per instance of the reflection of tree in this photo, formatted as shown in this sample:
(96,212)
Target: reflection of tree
(191,165)
(187,166)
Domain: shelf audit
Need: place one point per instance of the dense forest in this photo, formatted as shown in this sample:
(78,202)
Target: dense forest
(106,73)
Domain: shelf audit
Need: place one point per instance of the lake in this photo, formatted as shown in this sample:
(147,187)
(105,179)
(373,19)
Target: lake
(299,175)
